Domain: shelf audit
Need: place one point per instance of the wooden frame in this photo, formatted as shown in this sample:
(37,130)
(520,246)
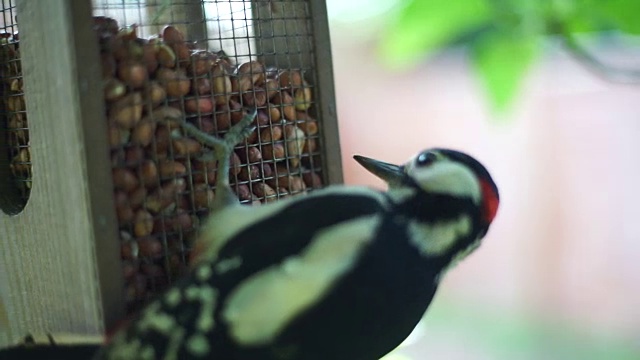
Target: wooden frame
(58,256)
(51,280)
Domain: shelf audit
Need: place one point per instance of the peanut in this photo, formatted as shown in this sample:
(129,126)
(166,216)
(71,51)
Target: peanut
(249,74)
(124,179)
(127,111)
(175,82)
(201,62)
(143,223)
(133,73)
(286,105)
(221,84)
(202,196)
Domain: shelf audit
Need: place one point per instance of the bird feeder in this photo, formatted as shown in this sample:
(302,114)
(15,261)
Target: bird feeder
(101,193)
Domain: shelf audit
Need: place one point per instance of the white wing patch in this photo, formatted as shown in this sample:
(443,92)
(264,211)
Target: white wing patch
(436,239)
(262,306)
(224,225)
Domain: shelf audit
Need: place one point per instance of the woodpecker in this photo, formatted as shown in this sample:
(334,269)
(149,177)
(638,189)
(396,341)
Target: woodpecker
(345,272)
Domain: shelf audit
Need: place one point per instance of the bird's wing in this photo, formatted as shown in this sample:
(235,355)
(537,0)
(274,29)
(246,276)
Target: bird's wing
(282,227)
(282,264)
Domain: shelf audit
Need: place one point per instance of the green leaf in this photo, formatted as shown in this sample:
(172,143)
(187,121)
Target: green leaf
(502,60)
(425,25)
(624,13)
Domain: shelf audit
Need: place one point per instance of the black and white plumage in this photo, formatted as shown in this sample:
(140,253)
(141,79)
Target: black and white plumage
(341,273)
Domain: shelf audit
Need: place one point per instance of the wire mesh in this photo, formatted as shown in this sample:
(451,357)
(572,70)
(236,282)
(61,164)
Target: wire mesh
(14,130)
(203,61)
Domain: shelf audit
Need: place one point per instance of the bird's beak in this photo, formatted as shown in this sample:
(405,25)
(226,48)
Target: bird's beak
(390,173)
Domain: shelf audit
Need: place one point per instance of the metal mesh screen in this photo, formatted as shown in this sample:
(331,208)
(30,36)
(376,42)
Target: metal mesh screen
(215,58)
(15,158)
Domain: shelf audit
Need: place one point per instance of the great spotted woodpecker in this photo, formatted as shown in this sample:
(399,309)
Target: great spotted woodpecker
(341,273)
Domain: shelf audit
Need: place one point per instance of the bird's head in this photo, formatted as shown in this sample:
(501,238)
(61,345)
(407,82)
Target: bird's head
(448,196)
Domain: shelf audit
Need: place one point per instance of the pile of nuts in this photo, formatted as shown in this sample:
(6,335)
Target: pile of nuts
(163,185)
(16,116)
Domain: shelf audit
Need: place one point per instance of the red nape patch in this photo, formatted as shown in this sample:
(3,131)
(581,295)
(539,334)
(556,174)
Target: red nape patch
(490,202)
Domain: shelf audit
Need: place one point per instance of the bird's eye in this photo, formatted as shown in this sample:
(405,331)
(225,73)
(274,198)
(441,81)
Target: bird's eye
(425,159)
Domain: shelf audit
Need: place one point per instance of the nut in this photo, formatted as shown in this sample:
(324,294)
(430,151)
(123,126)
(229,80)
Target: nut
(174,38)
(175,82)
(186,146)
(295,143)
(309,126)
(143,132)
(202,196)
(284,179)
(272,86)
(118,136)
(274,114)
(165,195)
(235,164)
(286,105)
(249,173)
(149,247)
(273,151)
(201,61)
(124,210)
(129,249)
(149,173)
(133,156)
(302,98)
(171,169)
(155,93)
(199,105)
(124,179)
(250,155)
(222,118)
(204,171)
(143,223)
(249,74)
(165,55)
(201,86)
(149,56)
(312,179)
(243,192)
(264,191)
(114,89)
(163,138)
(206,124)
(267,171)
(127,111)
(256,97)
(310,146)
(290,79)
(137,196)
(273,133)
(221,84)
(133,73)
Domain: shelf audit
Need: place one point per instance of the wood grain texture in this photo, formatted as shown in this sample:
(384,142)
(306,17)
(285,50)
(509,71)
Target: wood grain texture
(51,280)
(326,95)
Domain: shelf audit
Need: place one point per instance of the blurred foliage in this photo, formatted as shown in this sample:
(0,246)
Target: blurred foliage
(504,36)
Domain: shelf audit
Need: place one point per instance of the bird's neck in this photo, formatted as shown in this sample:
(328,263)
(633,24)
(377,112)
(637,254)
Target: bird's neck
(441,226)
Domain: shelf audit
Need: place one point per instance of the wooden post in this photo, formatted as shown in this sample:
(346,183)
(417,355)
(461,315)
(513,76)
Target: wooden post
(51,280)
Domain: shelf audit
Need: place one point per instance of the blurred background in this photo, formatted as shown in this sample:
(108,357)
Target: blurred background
(558,276)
